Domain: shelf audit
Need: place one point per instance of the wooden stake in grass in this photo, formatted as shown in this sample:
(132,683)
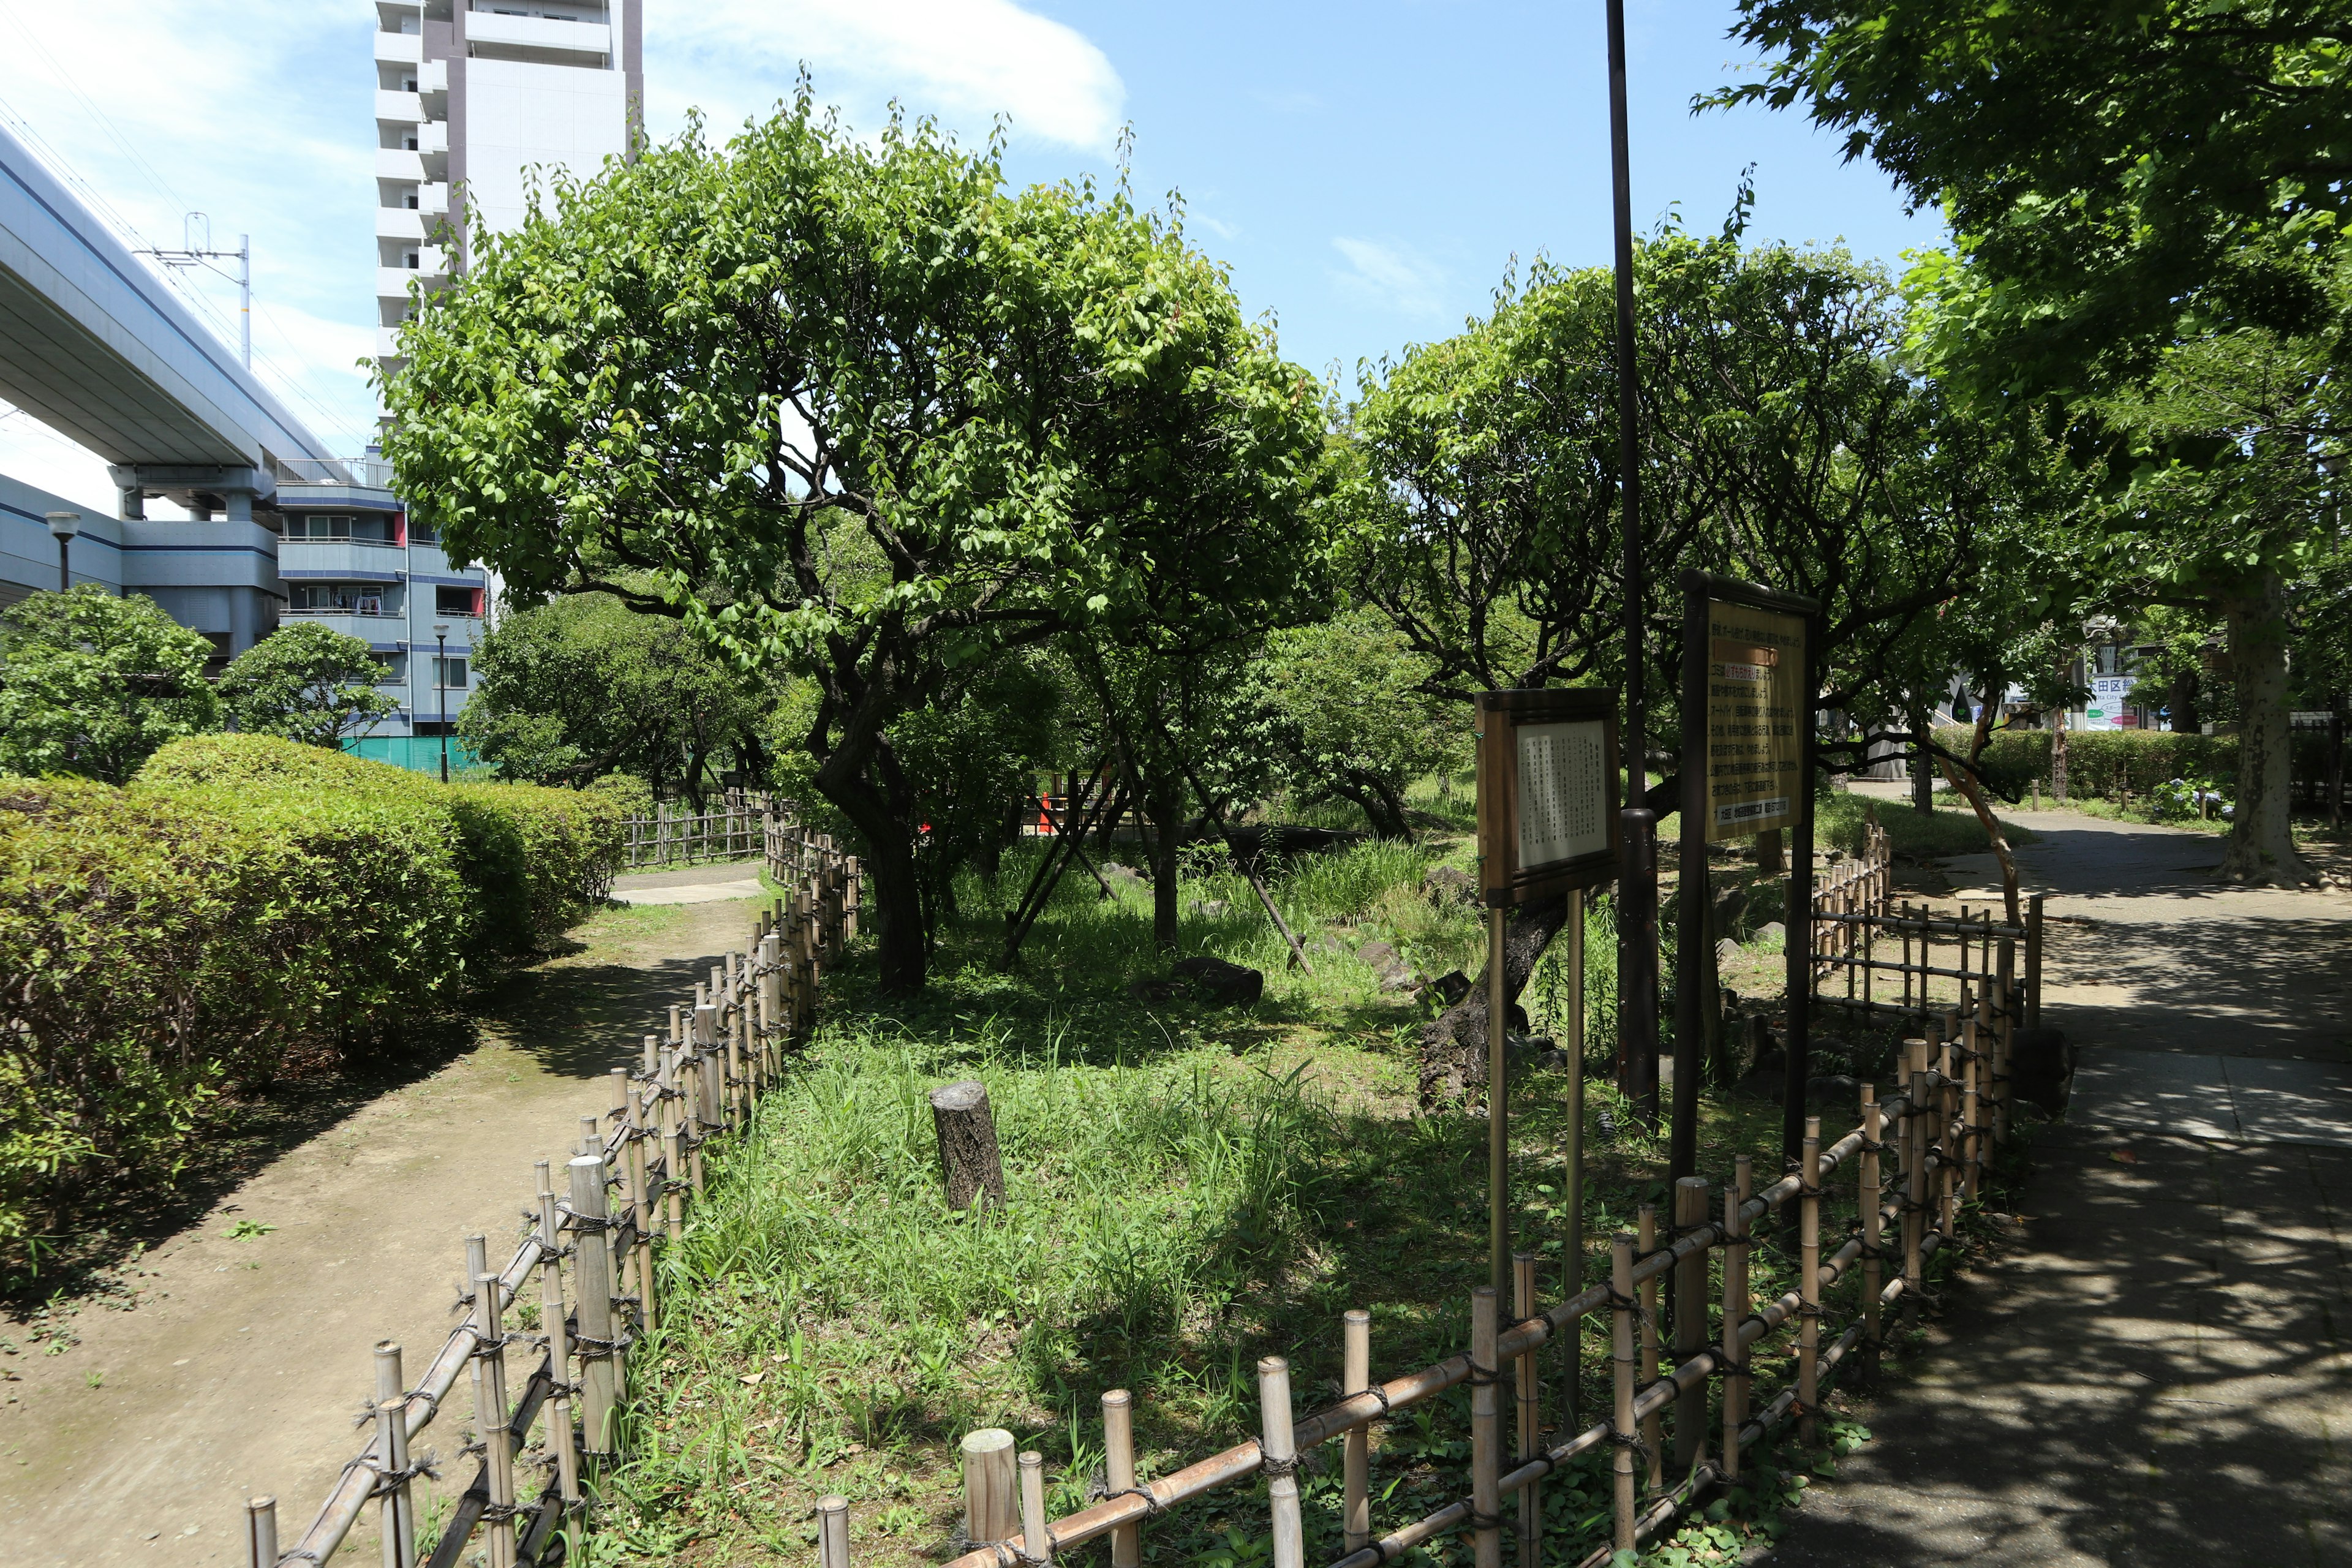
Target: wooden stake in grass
(1621,1357)
(991,1503)
(967,1136)
(1690,1324)
(1485,1432)
(1281,1452)
(599,1347)
(1653,1425)
(1355,1463)
(1119,1472)
(1915,1176)
(399,1510)
(1037,1537)
(832,1531)
(261,1532)
(490,1422)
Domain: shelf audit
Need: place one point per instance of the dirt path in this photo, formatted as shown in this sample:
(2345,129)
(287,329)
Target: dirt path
(2152,1373)
(240,1368)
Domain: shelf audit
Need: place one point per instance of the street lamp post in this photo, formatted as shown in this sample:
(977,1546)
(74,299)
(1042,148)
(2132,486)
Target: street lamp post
(441,679)
(65,525)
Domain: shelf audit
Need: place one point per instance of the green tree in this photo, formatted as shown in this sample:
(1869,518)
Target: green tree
(308,683)
(91,684)
(584,686)
(850,410)
(1352,716)
(2123,176)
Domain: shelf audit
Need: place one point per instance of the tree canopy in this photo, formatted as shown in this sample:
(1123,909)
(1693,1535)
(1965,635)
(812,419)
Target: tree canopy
(92,684)
(850,409)
(308,683)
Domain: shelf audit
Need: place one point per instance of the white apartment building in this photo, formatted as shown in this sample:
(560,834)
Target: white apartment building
(471,95)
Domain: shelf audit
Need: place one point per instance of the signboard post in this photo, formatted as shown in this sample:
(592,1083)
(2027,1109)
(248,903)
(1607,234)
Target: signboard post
(1546,826)
(1749,683)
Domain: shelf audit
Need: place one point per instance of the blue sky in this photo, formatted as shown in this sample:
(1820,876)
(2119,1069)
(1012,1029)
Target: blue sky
(1368,170)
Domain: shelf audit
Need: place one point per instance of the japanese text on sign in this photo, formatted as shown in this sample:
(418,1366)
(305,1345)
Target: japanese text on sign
(1756,700)
(1563,792)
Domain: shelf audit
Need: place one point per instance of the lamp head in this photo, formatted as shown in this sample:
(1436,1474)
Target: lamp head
(64,525)
(441,631)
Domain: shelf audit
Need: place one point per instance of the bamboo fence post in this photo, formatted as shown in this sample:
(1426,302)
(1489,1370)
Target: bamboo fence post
(1119,1472)
(1972,1094)
(554,1319)
(1690,1324)
(1355,1463)
(702,1079)
(398,1510)
(853,898)
(1952,1139)
(832,1531)
(772,1002)
(1621,1357)
(490,1422)
(737,1098)
(1529,1381)
(591,1135)
(1486,1433)
(1914,1175)
(991,1504)
(261,1532)
(2033,960)
(1281,1449)
(1735,1313)
(1873,1267)
(673,1155)
(1646,1218)
(1572,1244)
(1809,1280)
(1036,1536)
(598,1348)
(477,1259)
(1903,926)
(2004,1040)
(641,1200)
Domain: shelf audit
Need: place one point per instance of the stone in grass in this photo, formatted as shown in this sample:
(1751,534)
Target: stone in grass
(1771,932)
(1220,983)
(1449,885)
(1726,951)
(1377,954)
(1210,909)
(1401,978)
(1119,875)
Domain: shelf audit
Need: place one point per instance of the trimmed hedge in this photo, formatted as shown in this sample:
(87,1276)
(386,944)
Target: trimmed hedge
(245,903)
(2100,762)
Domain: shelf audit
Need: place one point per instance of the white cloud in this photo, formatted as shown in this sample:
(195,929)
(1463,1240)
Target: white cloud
(965,61)
(1390,275)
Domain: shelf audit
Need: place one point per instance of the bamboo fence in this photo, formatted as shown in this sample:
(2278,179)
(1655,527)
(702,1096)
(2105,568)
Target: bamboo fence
(736,831)
(1952,1111)
(590,1265)
(1863,935)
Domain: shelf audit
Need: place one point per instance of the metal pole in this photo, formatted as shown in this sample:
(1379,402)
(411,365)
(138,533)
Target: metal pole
(65,571)
(1695,892)
(1637,977)
(441,684)
(1498,1111)
(245,297)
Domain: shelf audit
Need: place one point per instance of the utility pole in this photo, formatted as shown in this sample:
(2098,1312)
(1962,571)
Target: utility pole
(1637,887)
(191,254)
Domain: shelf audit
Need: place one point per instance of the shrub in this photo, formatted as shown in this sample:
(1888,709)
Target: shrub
(2104,762)
(95,683)
(245,903)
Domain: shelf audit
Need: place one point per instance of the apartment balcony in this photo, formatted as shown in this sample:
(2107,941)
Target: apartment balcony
(400,48)
(342,561)
(403,223)
(398,163)
(399,108)
(433,137)
(432,76)
(538,33)
(433,199)
(385,634)
(387,342)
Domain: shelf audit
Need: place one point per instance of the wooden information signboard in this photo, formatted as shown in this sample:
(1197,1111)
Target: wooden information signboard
(1547,793)
(1547,825)
(1756,705)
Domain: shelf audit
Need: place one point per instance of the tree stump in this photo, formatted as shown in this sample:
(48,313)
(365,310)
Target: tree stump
(967,1133)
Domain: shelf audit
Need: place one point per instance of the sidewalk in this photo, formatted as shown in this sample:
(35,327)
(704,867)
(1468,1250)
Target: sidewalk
(2151,1372)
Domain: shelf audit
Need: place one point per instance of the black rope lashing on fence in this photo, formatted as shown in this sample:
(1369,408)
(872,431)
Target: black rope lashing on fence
(572,1219)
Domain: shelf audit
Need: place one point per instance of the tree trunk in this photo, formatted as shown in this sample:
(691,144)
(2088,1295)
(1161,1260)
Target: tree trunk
(968,1153)
(1453,1047)
(1970,789)
(1381,806)
(2262,847)
(2058,755)
(2183,701)
(1923,768)
(1166,814)
(902,953)
(1770,859)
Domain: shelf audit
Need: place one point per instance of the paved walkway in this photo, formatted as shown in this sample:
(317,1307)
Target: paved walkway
(690,884)
(2152,1373)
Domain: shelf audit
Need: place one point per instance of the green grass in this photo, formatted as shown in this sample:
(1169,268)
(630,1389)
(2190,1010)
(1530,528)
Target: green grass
(1187,1191)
